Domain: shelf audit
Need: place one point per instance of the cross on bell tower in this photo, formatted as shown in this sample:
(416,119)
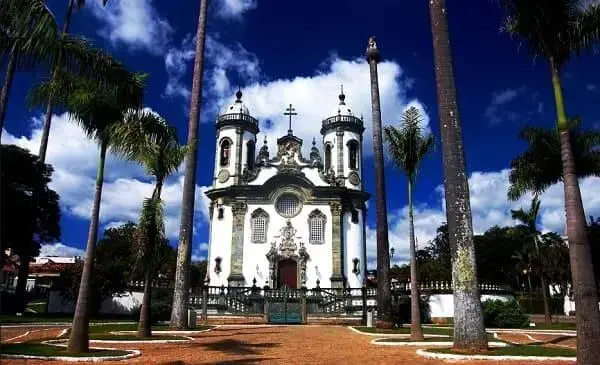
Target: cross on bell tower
(290,111)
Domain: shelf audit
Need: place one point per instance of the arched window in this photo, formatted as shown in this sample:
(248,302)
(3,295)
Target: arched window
(327,157)
(354,216)
(225,152)
(250,152)
(260,222)
(353,155)
(316,227)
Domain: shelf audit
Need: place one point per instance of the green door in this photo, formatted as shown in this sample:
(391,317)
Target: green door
(285,306)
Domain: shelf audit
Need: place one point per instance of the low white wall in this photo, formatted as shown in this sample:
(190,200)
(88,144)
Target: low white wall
(122,304)
(442,305)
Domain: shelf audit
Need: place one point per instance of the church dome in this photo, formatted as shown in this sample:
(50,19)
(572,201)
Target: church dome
(238,106)
(343,118)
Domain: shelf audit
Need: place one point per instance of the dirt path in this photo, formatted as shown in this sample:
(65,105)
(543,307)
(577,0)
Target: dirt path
(277,345)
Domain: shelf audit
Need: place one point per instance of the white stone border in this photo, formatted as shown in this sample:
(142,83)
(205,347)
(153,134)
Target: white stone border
(397,335)
(428,343)
(130,355)
(438,356)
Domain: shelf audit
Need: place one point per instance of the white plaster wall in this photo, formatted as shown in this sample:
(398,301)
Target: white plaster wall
(220,246)
(442,305)
(353,248)
(348,136)
(223,133)
(264,175)
(312,173)
(247,136)
(255,253)
(119,304)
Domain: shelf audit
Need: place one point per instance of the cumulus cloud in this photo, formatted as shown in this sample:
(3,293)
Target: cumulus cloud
(74,158)
(590,87)
(134,23)
(59,249)
(200,252)
(235,8)
(489,208)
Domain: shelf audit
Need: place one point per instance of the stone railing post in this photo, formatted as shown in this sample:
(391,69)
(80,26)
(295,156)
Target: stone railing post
(205,304)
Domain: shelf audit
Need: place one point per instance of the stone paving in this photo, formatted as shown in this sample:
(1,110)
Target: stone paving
(270,345)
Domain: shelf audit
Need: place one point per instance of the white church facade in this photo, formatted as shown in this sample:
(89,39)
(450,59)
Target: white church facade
(284,219)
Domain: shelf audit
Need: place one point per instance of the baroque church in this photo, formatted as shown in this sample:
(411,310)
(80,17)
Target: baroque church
(283,219)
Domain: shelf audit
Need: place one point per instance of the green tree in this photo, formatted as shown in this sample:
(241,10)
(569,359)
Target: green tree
(408,146)
(555,30)
(435,260)
(150,141)
(529,220)
(469,330)
(184,255)
(25,226)
(498,251)
(555,255)
(97,111)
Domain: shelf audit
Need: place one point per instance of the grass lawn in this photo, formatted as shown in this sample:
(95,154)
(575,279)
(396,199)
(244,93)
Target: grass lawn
(516,351)
(37,307)
(406,330)
(45,318)
(38,349)
(554,326)
(427,339)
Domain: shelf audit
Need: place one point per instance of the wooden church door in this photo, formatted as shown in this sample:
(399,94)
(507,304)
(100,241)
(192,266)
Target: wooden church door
(288,274)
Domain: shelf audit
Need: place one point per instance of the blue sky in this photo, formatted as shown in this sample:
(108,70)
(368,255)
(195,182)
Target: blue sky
(299,52)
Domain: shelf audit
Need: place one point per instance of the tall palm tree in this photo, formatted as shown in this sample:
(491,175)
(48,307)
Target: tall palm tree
(153,143)
(529,220)
(71,5)
(540,165)
(555,30)
(408,146)
(469,330)
(184,252)
(384,304)
(97,111)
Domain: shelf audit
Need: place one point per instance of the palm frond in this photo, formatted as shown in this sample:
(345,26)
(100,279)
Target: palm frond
(408,145)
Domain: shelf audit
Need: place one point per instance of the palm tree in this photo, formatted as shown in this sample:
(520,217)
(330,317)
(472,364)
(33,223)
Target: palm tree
(555,30)
(469,330)
(540,165)
(408,146)
(97,111)
(29,37)
(153,143)
(384,304)
(529,220)
(71,5)
(184,253)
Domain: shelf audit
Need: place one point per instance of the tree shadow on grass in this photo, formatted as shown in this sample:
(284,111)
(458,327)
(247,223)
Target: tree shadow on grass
(234,347)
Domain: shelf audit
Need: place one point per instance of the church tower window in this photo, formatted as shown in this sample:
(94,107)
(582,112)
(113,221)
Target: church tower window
(353,155)
(251,151)
(260,221)
(354,216)
(225,152)
(316,227)
(327,157)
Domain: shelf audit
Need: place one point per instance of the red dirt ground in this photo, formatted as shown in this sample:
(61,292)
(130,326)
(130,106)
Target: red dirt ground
(273,345)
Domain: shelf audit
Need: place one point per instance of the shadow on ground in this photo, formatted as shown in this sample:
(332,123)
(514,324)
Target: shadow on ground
(234,347)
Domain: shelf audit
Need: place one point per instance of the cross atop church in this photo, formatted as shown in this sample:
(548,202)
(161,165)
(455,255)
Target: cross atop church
(291,112)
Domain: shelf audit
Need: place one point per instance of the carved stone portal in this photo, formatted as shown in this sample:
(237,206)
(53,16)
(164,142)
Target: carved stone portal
(286,250)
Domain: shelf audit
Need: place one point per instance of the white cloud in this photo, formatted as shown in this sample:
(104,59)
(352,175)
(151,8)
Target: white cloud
(489,208)
(200,252)
(591,87)
(176,61)
(58,249)
(135,23)
(75,159)
(495,112)
(235,8)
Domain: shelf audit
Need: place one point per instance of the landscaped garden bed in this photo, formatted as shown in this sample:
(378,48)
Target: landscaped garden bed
(53,352)
(508,353)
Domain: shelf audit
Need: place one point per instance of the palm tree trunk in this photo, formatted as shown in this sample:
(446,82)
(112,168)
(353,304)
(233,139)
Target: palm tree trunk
(582,273)
(416,332)
(48,116)
(384,301)
(469,330)
(79,338)
(10,74)
(184,253)
(145,325)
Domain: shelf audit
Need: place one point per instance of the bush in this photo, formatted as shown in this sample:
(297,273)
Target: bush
(501,314)
(8,303)
(160,306)
(401,312)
